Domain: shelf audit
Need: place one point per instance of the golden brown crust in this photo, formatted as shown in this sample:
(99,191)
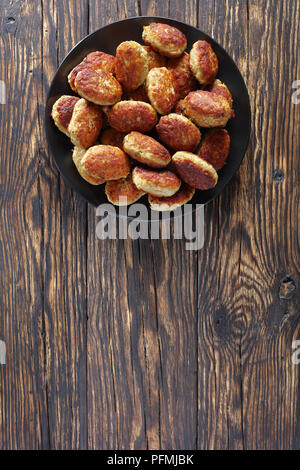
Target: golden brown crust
(105,123)
(183,195)
(96,61)
(85,124)
(207,109)
(162,89)
(203,62)
(180,68)
(78,154)
(158,183)
(140,94)
(131,65)
(219,88)
(105,113)
(123,192)
(99,87)
(147,150)
(154,58)
(178,108)
(106,161)
(165,39)
(101,61)
(128,116)
(112,137)
(178,132)
(214,147)
(194,170)
(62,111)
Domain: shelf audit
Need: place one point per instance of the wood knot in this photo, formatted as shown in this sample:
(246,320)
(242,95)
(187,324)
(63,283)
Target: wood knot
(10,24)
(278,175)
(287,288)
(229,324)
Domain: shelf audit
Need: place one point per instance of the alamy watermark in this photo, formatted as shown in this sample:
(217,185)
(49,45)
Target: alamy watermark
(2,92)
(137,221)
(2,352)
(296,353)
(296,94)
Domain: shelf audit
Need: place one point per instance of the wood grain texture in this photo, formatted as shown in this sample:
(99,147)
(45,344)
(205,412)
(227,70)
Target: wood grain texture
(43,318)
(115,392)
(142,330)
(23,416)
(220,424)
(64,255)
(175,284)
(123,344)
(245,329)
(270,250)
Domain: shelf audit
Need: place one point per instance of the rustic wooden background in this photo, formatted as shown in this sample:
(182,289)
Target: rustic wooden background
(141,344)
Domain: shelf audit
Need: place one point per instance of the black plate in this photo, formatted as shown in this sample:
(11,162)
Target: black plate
(107,39)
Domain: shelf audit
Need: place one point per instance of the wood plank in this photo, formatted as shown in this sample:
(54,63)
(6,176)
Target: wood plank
(139,344)
(220,424)
(64,217)
(269,250)
(43,321)
(116,344)
(115,336)
(248,397)
(23,401)
(175,284)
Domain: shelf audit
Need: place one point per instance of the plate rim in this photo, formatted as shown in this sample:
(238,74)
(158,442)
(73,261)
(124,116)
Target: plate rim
(249,113)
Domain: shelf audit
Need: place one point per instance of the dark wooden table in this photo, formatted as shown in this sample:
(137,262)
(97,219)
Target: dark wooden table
(142,344)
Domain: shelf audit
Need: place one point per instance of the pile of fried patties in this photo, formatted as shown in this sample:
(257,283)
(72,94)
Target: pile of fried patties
(157,89)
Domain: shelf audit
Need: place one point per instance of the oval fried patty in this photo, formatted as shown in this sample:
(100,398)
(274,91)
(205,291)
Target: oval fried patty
(203,62)
(106,161)
(162,89)
(62,111)
(85,124)
(194,170)
(99,87)
(207,109)
(165,39)
(131,65)
(183,195)
(78,154)
(147,150)
(214,147)
(158,183)
(96,61)
(123,192)
(128,116)
(178,132)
